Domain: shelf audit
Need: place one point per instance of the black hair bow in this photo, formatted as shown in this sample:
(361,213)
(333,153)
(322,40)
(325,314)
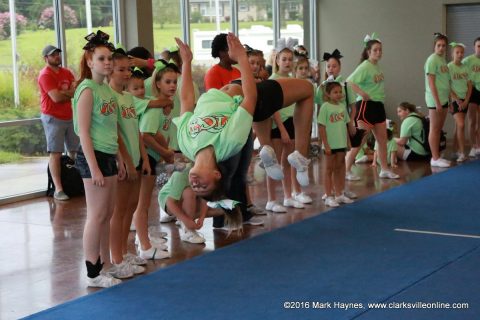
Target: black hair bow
(335,54)
(98,39)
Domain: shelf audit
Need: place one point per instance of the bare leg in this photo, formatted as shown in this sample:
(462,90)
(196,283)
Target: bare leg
(460,131)
(141,213)
(472,124)
(338,180)
(380,133)
(55,170)
(127,218)
(327,177)
(116,222)
(437,120)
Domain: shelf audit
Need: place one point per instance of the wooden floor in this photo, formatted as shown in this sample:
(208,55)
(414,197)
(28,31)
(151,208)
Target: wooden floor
(42,264)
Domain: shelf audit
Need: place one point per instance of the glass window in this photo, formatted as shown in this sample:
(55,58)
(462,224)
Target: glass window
(292,20)
(166,24)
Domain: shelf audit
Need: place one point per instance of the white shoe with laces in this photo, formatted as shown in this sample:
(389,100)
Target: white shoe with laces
(473,153)
(300,163)
(387,174)
(153,254)
(289,202)
(439,163)
(343,199)
(461,157)
(121,271)
(330,202)
(350,176)
(270,163)
(350,194)
(302,197)
(254,221)
(191,236)
(103,280)
(254,210)
(275,207)
(134,259)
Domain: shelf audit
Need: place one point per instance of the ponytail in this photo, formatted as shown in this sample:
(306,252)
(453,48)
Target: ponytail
(367,48)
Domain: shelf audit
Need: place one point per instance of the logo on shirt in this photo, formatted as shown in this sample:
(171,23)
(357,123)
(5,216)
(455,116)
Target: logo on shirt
(460,76)
(166,123)
(476,68)
(336,117)
(212,124)
(128,112)
(378,78)
(444,69)
(108,107)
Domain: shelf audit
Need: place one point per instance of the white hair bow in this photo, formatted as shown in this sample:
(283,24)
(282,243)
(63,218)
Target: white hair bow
(283,43)
(369,37)
(228,204)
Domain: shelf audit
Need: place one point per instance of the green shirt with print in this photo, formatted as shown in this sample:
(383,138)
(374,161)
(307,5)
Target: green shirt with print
(103,125)
(334,117)
(459,79)
(173,188)
(473,64)
(128,122)
(437,66)
(369,77)
(219,121)
(413,127)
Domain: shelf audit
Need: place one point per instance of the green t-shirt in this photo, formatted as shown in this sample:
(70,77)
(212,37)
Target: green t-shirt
(349,96)
(369,77)
(334,118)
(391,147)
(413,127)
(473,64)
(128,122)
(219,121)
(287,112)
(361,152)
(103,126)
(141,105)
(173,188)
(148,87)
(459,76)
(151,122)
(437,66)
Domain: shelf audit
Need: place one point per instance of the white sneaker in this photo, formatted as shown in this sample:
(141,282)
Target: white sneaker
(343,199)
(134,259)
(302,197)
(136,268)
(330,202)
(132,227)
(461,157)
(191,236)
(270,163)
(121,271)
(387,174)
(445,161)
(153,240)
(254,210)
(165,217)
(153,254)
(324,197)
(473,153)
(350,194)
(362,159)
(300,163)
(275,207)
(350,176)
(254,221)
(103,280)
(289,202)
(439,163)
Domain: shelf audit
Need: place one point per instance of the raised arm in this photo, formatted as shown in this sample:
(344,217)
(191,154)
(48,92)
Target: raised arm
(187,96)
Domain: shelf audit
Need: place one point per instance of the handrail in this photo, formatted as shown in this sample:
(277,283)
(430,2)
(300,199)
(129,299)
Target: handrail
(19,123)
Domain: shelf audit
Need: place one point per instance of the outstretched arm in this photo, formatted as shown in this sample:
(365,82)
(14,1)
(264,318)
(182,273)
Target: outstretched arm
(187,96)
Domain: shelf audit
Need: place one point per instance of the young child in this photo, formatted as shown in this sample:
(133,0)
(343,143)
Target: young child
(391,149)
(333,119)
(461,90)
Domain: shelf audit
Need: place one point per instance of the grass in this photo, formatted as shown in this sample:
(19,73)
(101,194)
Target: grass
(9,157)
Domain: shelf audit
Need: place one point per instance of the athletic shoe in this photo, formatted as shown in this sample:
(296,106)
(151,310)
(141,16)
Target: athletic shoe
(254,221)
(254,210)
(275,207)
(387,174)
(121,271)
(293,203)
(362,159)
(300,163)
(136,268)
(439,163)
(461,157)
(324,197)
(330,202)
(350,194)
(103,280)
(166,218)
(191,236)
(270,163)
(134,259)
(60,195)
(153,254)
(445,160)
(473,153)
(343,199)
(152,240)
(350,176)
(132,227)
(302,197)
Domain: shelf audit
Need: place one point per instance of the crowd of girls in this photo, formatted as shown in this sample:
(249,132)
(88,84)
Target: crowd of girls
(128,122)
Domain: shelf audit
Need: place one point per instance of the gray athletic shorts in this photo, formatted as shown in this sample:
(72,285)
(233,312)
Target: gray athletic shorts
(59,134)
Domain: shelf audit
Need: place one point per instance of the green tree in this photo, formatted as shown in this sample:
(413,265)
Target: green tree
(166,11)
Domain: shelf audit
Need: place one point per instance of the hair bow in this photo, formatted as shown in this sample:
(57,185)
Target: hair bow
(455,44)
(371,37)
(283,44)
(300,50)
(98,39)
(439,35)
(335,54)
(162,64)
(173,49)
(119,49)
(227,204)
(248,49)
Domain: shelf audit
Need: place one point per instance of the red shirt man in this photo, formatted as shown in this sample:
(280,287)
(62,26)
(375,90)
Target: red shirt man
(222,73)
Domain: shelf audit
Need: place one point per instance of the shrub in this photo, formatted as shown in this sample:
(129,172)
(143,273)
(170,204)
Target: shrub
(5,29)
(46,18)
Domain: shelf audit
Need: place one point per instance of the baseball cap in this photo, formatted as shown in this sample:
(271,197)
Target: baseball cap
(48,50)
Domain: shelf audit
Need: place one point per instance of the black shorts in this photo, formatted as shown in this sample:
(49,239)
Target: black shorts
(356,139)
(269,100)
(445,106)
(153,165)
(369,113)
(275,133)
(413,156)
(455,108)
(337,150)
(475,97)
(107,163)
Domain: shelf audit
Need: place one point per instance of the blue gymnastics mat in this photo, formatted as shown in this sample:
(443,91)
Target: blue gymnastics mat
(327,267)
